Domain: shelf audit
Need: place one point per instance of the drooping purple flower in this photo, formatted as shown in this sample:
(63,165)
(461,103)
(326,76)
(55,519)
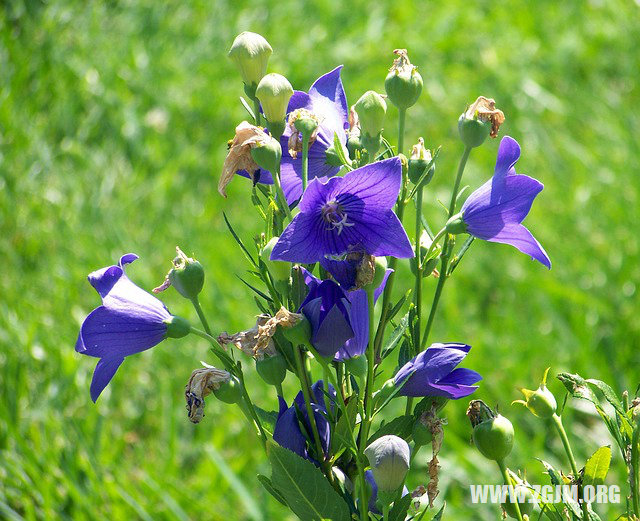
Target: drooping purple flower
(495,211)
(288,429)
(373,498)
(129,321)
(348,213)
(433,373)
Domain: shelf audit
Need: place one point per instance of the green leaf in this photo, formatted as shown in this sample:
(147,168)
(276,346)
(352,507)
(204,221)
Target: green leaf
(340,152)
(342,433)
(597,466)
(304,488)
(400,507)
(266,483)
(267,418)
(608,393)
(396,335)
(239,241)
(400,426)
(578,387)
(247,108)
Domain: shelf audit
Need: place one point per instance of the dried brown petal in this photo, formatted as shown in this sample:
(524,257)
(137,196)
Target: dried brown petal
(295,140)
(485,109)
(201,384)
(420,152)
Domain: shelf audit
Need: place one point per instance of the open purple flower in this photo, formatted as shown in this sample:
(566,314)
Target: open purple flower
(327,102)
(433,373)
(348,213)
(495,211)
(129,321)
(288,431)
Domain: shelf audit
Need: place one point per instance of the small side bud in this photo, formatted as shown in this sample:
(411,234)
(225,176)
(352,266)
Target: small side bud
(280,270)
(267,154)
(540,402)
(274,92)
(272,369)
(456,224)
(380,266)
(492,433)
(250,52)
(299,334)
(230,391)
(481,120)
(384,393)
(403,83)
(371,109)
(419,162)
(177,327)
(389,457)
(186,276)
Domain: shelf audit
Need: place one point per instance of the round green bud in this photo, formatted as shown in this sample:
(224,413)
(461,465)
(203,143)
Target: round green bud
(250,52)
(371,109)
(473,132)
(177,327)
(274,92)
(403,84)
(456,224)
(229,392)
(421,433)
(272,369)
(540,402)
(280,270)
(268,154)
(389,457)
(384,393)
(299,334)
(417,168)
(354,143)
(526,505)
(357,366)
(186,276)
(494,437)
(306,126)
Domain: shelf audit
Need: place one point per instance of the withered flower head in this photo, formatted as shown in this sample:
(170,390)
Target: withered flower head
(202,383)
(295,140)
(420,152)
(485,109)
(401,63)
(258,341)
(239,156)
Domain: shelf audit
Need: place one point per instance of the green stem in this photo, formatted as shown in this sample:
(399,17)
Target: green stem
(507,481)
(368,401)
(635,470)
(203,319)
(418,293)
(446,253)
(280,195)
(305,161)
(401,119)
(385,512)
(409,406)
(256,110)
(572,461)
(279,390)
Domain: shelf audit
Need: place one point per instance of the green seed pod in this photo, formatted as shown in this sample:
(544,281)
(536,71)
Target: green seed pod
(480,121)
(177,327)
(229,392)
(526,506)
(403,83)
(492,433)
(186,276)
(540,402)
(250,52)
(267,154)
(357,366)
(272,369)
(274,92)
(280,270)
(299,334)
(419,162)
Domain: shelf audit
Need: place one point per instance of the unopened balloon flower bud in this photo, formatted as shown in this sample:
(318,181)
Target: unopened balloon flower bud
(272,369)
(201,384)
(371,109)
(300,333)
(540,402)
(387,389)
(177,327)
(250,52)
(403,83)
(389,457)
(419,162)
(357,366)
(456,225)
(186,276)
(274,92)
(280,270)
(229,391)
(267,154)
(492,432)
(480,120)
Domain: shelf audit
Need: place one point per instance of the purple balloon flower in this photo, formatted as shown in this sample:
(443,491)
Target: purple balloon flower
(288,431)
(433,373)
(373,508)
(349,213)
(495,211)
(129,321)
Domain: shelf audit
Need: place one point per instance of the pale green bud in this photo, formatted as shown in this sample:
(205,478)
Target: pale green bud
(250,52)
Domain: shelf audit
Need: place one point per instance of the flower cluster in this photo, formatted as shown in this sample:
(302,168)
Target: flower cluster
(332,193)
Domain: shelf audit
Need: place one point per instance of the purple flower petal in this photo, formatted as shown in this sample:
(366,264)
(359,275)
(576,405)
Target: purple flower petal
(299,240)
(102,375)
(519,237)
(375,186)
(330,102)
(287,431)
(508,155)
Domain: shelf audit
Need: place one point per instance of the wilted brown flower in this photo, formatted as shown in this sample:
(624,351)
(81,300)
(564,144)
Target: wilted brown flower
(202,383)
(485,109)
(420,152)
(295,140)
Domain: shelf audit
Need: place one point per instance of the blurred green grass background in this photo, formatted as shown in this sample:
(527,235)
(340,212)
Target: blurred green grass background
(114,118)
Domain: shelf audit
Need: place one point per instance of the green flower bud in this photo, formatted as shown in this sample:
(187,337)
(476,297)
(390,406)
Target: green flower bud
(306,125)
(371,109)
(267,154)
(381,396)
(230,391)
(354,144)
(403,83)
(492,432)
(251,53)
(274,92)
(186,276)
(429,264)
(389,458)
(280,270)
(272,369)
(298,334)
(456,224)
(357,366)
(540,402)
(419,162)
(526,505)
(479,121)
(177,327)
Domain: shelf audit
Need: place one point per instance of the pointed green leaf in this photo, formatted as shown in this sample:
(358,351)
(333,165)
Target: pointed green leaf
(266,483)
(400,507)
(597,466)
(304,487)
